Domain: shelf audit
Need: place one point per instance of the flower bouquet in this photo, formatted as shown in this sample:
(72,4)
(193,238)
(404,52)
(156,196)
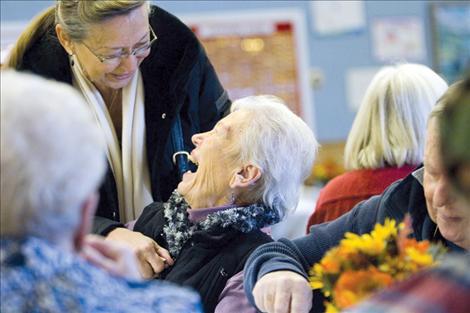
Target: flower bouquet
(362,265)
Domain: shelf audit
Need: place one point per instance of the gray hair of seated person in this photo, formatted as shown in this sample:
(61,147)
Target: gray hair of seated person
(281,144)
(390,126)
(52,157)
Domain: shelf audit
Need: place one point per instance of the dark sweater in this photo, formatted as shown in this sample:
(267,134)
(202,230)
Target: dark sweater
(343,192)
(178,79)
(208,259)
(404,196)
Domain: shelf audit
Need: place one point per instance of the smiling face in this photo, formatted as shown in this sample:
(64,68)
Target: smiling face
(216,154)
(451,215)
(110,38)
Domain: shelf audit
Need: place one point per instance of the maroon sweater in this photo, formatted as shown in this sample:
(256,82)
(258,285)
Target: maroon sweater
(343,192)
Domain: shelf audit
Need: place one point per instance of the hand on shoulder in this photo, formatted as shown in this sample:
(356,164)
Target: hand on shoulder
(113,257)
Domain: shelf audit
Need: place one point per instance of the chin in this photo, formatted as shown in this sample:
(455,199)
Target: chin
(119,85)
(451,235)
(181,188)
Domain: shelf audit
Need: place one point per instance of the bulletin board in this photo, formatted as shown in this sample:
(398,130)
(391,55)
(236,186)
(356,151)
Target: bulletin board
(259,53)
(451,38)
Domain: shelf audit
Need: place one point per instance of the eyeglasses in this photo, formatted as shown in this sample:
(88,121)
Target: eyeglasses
(114,60)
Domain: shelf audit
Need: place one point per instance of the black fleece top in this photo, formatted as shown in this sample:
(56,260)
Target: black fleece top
(208,259)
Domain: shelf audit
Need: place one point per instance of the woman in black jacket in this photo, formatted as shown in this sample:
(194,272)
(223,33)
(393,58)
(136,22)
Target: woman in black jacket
(250,169)
(139,68)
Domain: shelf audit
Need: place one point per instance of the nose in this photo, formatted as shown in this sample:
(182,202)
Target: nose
(129,63)
(443,194)
(197,139)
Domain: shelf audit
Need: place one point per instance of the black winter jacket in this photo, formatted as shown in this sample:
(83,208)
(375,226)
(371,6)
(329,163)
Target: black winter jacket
(206,261)
(178,79)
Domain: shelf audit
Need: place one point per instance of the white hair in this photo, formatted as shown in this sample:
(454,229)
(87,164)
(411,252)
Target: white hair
(52,157)
(389,128)
(281,144)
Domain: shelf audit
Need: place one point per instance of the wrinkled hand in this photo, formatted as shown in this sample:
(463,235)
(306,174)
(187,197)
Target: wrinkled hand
(283,292)
(152,258)
(113,257)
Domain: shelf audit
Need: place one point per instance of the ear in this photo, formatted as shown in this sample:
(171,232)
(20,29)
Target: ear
(87,211)
(64,39)
(247,176)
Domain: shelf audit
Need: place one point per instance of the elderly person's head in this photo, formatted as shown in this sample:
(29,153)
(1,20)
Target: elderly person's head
(52,160)
(261,152)
(389,128)
(451,215)
(455,134)
(109,39)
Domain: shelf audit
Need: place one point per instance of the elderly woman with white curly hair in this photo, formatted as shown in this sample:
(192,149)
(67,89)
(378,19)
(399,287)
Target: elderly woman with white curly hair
(250,169)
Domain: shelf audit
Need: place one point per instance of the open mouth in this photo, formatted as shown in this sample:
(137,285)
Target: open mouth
(193,160)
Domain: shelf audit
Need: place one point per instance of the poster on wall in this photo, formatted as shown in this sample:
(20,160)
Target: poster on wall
(398,39)
(337,17)
(451,38)
(259,53)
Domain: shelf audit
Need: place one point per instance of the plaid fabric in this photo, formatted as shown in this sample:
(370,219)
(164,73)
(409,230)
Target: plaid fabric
(445,288)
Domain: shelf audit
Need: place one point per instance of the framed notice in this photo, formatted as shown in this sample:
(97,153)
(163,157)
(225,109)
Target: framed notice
(451,38)
(398,38)
(259,52)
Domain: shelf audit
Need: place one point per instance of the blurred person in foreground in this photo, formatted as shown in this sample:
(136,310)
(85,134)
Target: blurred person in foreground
(276,273)
(445,288)
(52,163)
(250,170)
(386,141)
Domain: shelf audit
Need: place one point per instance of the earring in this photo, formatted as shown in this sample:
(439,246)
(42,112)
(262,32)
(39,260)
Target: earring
(72,62)
(232,198)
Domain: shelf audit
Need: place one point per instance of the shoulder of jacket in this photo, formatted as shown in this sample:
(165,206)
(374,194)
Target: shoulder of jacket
(166,25)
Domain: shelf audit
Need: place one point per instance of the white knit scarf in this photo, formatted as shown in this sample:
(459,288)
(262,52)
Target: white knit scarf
(130,167)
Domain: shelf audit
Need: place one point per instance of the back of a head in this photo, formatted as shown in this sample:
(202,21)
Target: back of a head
(52,156)
(281,144)
(389,128)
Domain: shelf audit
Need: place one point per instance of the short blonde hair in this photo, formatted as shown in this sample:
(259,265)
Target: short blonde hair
(389,128)
(281,144)
(52,157)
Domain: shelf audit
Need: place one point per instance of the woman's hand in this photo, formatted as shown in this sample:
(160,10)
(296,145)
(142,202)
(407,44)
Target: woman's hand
(283,292)
(152,258)
(115,258)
